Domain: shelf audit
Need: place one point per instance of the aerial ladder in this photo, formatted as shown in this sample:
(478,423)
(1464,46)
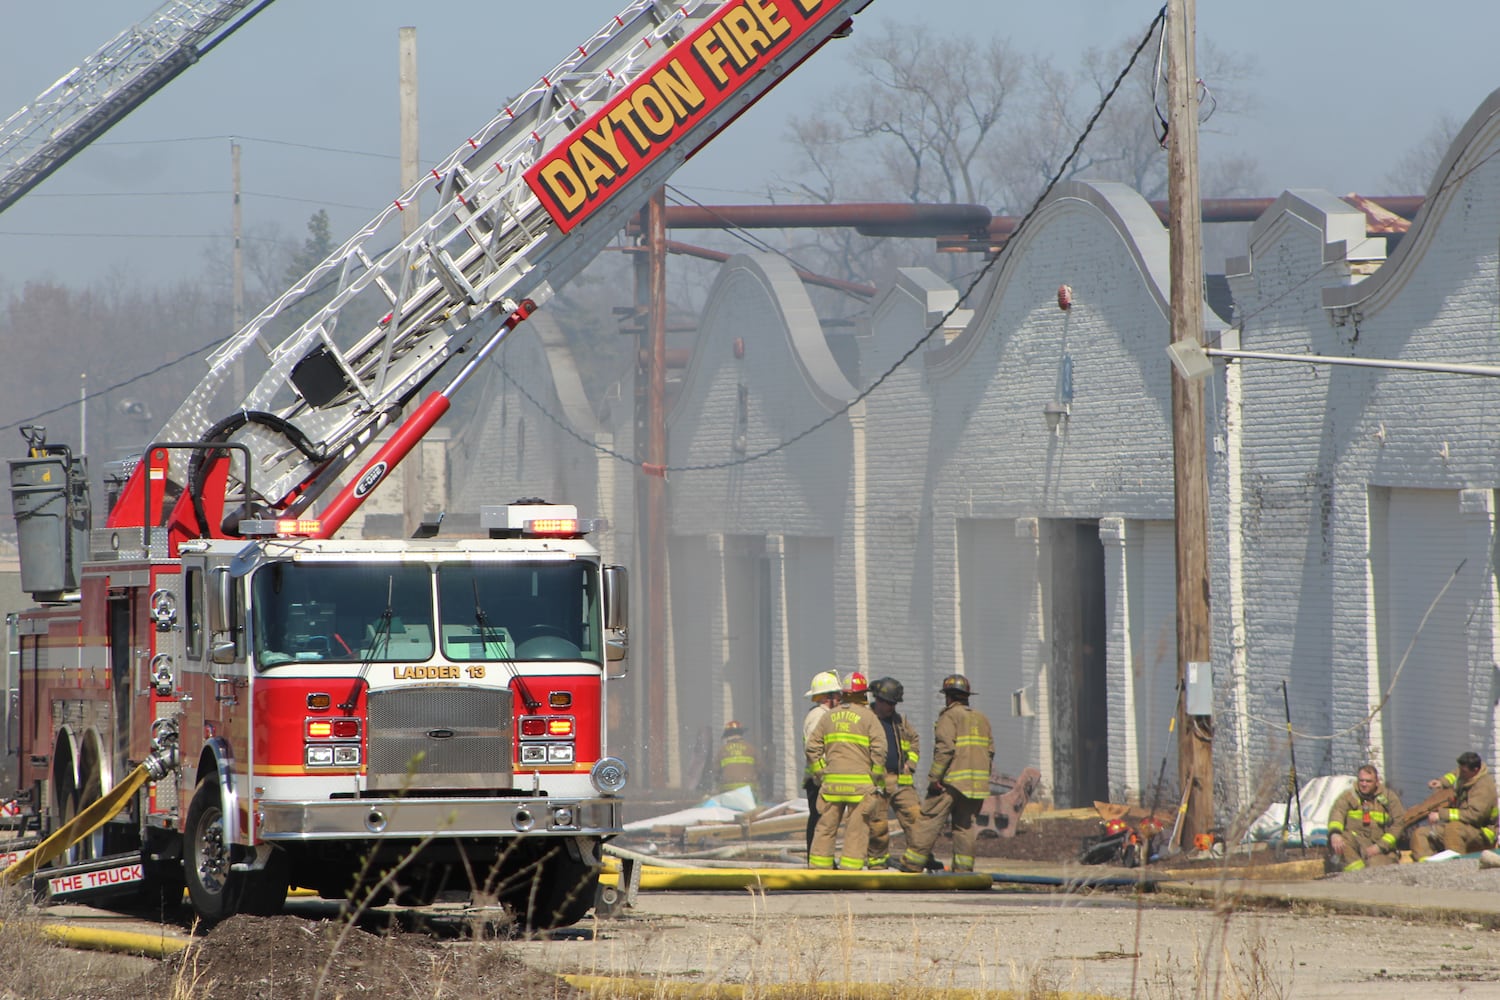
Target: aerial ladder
(291,402)
(110,84)
(523,205)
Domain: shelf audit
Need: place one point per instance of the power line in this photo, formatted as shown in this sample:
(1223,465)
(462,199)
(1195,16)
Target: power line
(979,276)
(247,138)
(741,233)
(116,386)
(938,325)
(74,196)
(310,293)
(133,236)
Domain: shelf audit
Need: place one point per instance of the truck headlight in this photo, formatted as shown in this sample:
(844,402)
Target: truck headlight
(609,775)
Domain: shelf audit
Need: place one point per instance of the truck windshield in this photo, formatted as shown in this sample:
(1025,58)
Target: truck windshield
(383,613)
(350,612)
(519,611)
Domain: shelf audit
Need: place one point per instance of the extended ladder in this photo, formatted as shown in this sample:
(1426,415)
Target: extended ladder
(108,85)
(524,205)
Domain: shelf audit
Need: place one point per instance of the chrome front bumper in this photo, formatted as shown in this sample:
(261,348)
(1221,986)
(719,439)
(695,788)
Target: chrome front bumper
(441,818)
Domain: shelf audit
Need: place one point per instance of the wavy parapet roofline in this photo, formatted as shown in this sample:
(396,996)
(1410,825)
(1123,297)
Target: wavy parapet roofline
(1473,149)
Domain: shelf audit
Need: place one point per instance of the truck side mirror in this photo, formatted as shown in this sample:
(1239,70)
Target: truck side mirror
(616,617)
(220,600)
(616,598)
(223,616)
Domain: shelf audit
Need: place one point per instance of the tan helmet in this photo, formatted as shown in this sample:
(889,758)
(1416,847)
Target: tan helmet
(823,684)
(956,684)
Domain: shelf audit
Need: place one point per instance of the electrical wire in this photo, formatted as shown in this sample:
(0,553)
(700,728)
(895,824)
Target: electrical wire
(196,352)
(247,138)
(978,276)
(1385,695)
(116,386)
(746,236)
(932,331)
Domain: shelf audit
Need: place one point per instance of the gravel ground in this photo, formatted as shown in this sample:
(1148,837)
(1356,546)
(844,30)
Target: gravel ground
(1033,943)
(1459,874)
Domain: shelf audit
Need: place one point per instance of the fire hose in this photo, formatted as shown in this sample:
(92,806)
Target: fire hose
(158,765)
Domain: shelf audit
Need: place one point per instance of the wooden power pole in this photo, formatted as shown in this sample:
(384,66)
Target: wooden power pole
(1195,767)
(237,267)
(411,164)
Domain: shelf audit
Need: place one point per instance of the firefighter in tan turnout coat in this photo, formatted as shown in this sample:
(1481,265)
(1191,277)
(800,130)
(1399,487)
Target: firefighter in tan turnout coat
(1362,823)
(846,756)
(1467,825)
(963,748)
(902,749)
(738,767)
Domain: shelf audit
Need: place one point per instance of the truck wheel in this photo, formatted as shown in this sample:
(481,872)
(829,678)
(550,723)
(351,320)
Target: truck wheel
(215,890)
(265,891)
(565,893)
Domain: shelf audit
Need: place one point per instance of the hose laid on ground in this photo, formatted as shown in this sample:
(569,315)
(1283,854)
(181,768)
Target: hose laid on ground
(1084,882)
(758,852)
(801,879)
(119,942)
(99,812)
(645,859)
(620,987)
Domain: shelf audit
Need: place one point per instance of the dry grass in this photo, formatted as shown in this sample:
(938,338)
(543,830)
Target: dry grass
(37,969)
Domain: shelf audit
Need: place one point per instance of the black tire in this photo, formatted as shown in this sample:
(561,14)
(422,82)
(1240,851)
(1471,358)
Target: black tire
(563,893)
(264,892)
(214,890)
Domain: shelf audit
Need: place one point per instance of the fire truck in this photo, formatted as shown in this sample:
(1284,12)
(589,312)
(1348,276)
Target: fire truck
(217,691)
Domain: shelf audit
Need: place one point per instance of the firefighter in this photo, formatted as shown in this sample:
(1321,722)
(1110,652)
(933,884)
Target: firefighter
(901,753)
(1467,825)
(846,755)
(958,781)
(826,690)
(737,764)
(1362,824)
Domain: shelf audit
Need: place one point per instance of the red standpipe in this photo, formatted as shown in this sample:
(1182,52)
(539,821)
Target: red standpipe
(412,431)
(387,458)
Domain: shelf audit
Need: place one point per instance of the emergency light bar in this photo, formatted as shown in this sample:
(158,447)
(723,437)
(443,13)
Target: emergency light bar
(534,519)
(552,526)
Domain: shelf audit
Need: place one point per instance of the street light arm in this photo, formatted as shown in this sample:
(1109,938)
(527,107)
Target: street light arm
(1491,371)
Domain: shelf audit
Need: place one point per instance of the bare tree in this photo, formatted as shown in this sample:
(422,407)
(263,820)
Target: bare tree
(965,120)
(1415,171)
(1126,143)
(922,123)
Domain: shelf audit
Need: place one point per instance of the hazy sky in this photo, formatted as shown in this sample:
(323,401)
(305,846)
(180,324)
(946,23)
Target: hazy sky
(310,88)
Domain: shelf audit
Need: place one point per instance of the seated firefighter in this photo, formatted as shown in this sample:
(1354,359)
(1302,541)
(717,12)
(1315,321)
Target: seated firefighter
(1467,823)
(1364,823)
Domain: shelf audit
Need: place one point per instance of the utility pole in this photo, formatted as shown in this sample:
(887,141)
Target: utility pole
(237,311)
(411,472)
(410,164)
(656,484)
(1189,437)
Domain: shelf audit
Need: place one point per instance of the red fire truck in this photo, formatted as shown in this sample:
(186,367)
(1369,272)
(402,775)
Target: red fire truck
(217,691)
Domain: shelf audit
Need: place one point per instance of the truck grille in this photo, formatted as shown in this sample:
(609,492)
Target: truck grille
(439,737)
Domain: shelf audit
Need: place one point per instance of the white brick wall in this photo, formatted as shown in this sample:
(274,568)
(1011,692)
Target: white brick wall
(965,488)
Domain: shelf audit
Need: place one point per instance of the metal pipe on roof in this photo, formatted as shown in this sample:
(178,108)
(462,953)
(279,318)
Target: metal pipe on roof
(868,218)
(808,277)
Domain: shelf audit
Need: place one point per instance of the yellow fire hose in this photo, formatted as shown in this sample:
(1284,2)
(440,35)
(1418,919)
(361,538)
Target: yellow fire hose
(99,812)
(799,879)
(119,942)
(622,988)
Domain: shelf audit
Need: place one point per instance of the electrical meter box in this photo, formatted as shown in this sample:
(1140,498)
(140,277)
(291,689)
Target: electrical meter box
(1200,688)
